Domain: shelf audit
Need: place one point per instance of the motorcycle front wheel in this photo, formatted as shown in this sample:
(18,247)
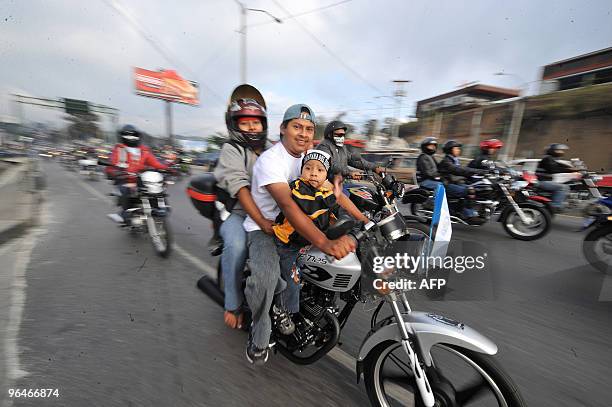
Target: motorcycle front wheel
(161,235)
(458,377)
(597,248)
(541,221)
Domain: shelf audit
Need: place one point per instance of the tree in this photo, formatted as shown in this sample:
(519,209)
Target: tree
(216,141)
(369,128)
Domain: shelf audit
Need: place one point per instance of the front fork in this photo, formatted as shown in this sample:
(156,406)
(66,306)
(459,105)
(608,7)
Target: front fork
(415,365)
(517,209)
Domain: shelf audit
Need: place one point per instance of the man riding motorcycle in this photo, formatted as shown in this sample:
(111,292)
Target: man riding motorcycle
(547,167)
(488,151)
(427,173)
(129,157)
(454,176)
(341,157)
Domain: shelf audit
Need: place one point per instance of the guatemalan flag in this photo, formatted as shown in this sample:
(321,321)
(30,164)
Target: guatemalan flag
(441,229)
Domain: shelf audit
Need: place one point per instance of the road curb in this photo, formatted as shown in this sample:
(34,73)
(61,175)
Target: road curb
(35,180)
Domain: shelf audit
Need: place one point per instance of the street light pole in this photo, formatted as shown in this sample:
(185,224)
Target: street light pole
(243,40)
(523,91)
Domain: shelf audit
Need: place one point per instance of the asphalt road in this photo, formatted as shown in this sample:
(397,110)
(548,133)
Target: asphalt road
(97,315)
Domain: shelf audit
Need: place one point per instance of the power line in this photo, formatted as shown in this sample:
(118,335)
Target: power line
(304,13)
(329,51)
(115,5)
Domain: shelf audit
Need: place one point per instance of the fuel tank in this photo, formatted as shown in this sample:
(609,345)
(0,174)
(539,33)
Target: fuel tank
(334,275)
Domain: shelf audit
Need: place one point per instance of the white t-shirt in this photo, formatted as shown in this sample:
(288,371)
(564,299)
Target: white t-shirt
(274,166)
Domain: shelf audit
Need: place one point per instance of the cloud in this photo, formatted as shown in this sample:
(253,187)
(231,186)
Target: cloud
(87,50)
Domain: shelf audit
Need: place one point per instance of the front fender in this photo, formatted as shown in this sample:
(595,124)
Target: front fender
(429,329)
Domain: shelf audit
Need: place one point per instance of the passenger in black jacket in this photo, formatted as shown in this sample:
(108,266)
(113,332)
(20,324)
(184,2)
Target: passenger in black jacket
(453,175)
(341,157)
(427,166)
(488,150)
(547,167)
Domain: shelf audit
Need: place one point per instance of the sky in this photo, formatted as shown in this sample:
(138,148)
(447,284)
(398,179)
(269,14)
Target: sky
(334,55)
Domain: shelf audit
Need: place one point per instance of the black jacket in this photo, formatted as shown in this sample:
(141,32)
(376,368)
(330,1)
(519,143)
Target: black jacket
(341,158)
(549,166)
(455,174)
(427,168)
(477,162)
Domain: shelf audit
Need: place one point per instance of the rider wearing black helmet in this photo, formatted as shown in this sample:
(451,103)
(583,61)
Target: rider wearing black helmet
(341,157)
(247,125)
(547,167)
(454,174)
(129,157)
(426,165)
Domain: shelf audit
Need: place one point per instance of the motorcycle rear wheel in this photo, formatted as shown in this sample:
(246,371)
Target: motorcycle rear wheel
(389,381)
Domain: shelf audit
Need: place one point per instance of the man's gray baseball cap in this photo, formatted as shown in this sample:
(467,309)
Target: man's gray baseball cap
(299,111)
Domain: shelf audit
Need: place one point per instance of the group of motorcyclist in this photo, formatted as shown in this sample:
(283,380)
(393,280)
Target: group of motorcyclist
(257,181)
(449,171)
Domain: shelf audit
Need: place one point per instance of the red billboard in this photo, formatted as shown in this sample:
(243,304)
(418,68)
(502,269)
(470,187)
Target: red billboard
(166,85)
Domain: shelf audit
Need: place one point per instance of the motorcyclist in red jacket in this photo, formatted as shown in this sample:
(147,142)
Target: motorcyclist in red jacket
(128,158)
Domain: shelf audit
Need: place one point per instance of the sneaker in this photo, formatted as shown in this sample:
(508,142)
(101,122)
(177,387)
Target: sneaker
(256,356)
(282,321)
(116,217)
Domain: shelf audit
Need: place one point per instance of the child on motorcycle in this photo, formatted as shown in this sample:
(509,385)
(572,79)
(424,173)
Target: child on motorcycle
(317,198)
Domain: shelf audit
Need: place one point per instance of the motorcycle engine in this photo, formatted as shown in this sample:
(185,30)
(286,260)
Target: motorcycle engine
(314,302)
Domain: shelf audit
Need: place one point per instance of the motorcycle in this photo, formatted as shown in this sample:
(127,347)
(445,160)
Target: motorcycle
(582,184)
(149,210)
(499,193)
(597,244)
(402,355)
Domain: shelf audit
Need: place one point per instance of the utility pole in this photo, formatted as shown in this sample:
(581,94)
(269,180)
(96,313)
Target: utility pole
(243,40)
(169,123)
(399,94)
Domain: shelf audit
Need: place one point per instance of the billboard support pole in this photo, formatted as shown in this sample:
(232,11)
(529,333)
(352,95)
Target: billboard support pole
(169,122)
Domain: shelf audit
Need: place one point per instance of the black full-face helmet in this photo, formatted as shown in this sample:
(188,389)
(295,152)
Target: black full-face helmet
(246,101)
(130,136)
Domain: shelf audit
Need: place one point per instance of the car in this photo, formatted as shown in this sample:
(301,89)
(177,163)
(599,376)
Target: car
(401,165)
(208,159)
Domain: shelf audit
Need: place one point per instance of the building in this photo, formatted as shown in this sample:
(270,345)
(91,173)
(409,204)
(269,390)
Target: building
(589,69)
(464,98)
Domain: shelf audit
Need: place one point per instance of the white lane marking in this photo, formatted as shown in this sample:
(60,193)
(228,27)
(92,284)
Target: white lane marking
(94,191)
(23,248)
(337,354)
(206,268)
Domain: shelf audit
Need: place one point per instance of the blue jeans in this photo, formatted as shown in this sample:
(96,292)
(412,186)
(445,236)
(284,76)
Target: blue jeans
(429,184)
(453,191)
(233,259)
(290,297)
(559,192)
